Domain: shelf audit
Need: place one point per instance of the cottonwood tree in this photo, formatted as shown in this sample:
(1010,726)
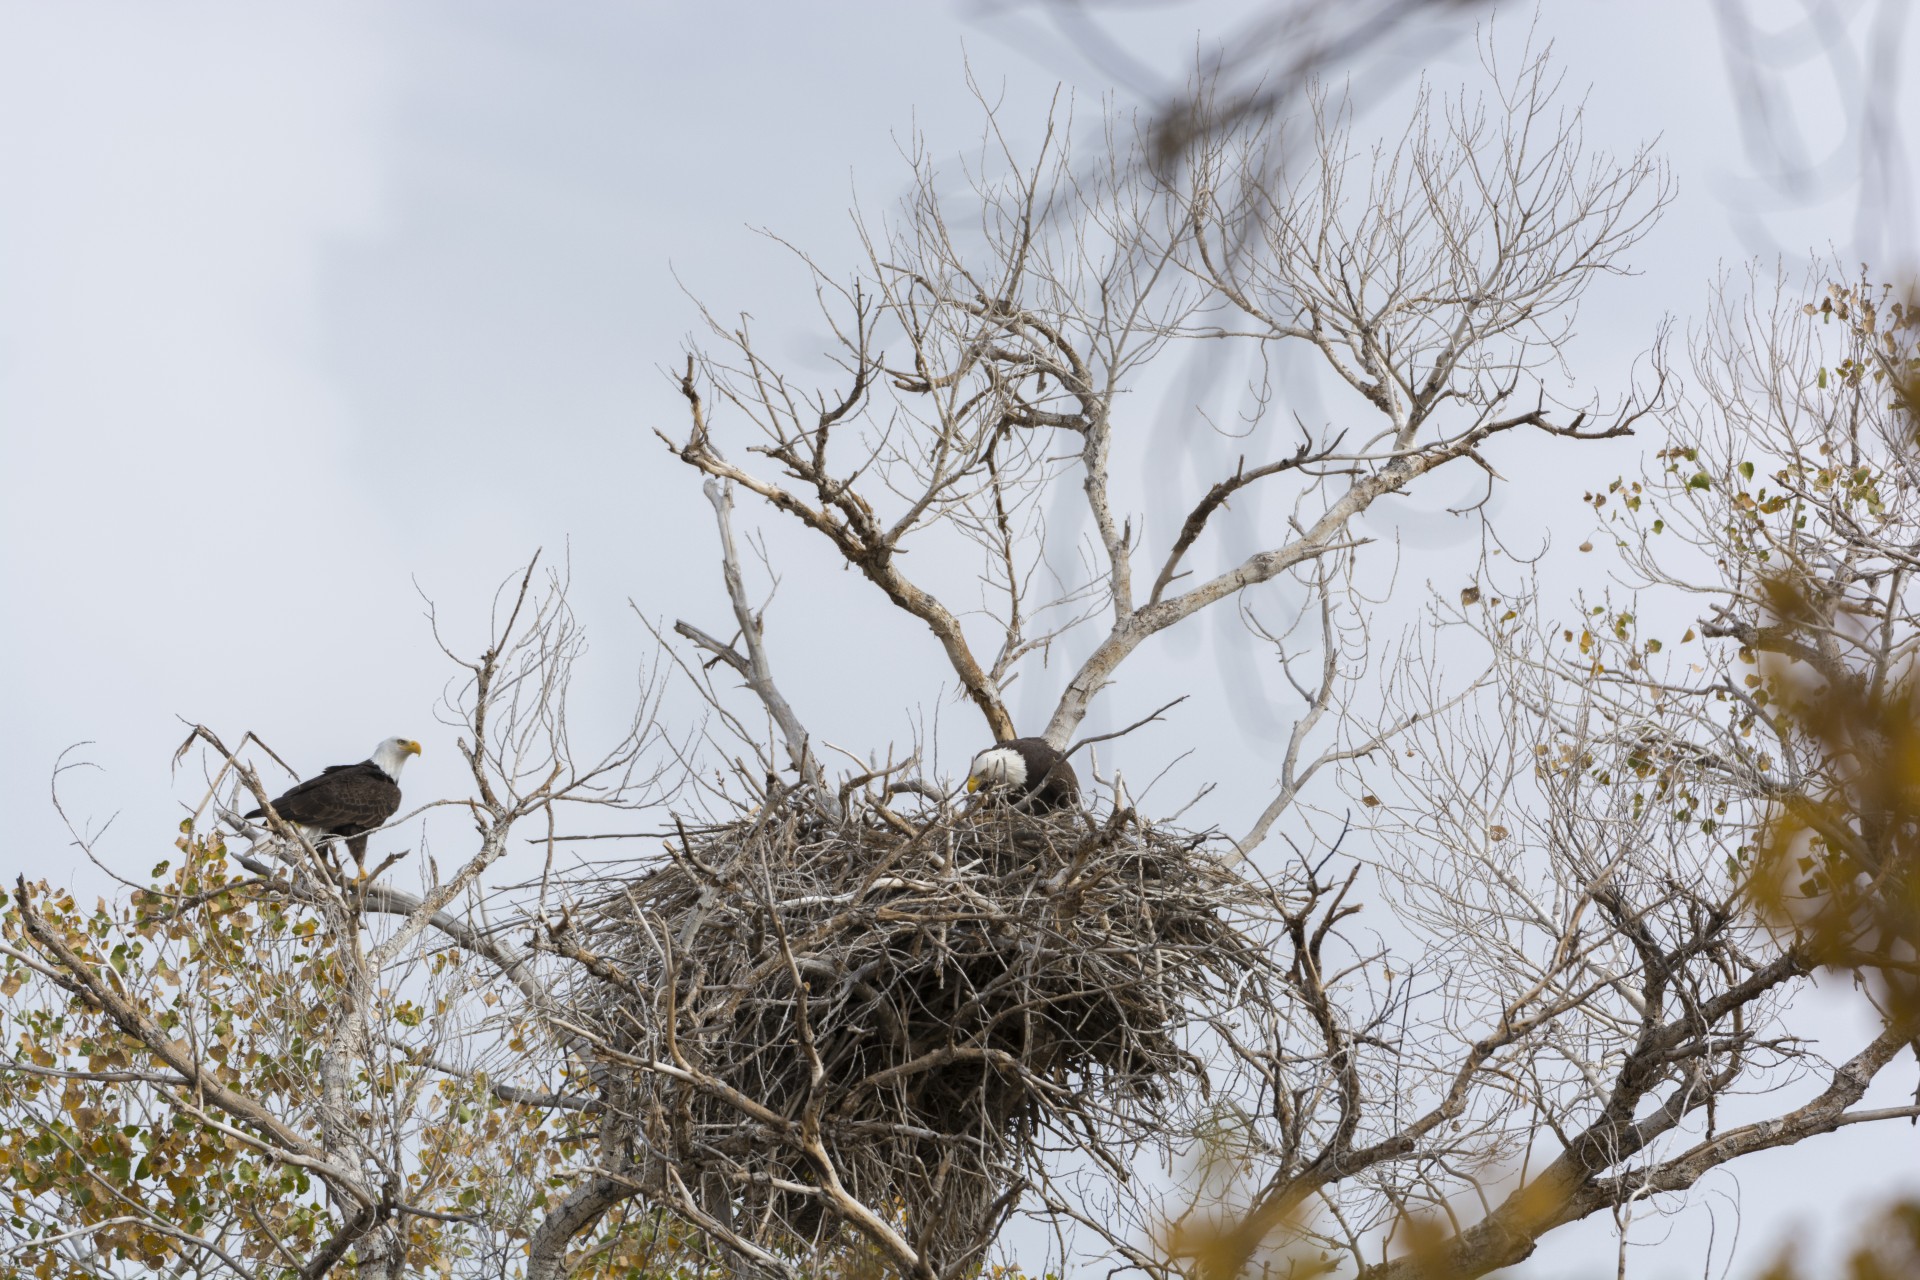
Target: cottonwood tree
(992,361)
(1675,813)
(1796,480)
(259,1066)
(987,367)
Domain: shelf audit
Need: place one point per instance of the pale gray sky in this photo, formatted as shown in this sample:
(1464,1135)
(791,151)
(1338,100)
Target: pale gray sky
(304,304)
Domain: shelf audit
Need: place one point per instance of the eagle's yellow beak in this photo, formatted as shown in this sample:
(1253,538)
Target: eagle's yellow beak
(973,784)
(413,748)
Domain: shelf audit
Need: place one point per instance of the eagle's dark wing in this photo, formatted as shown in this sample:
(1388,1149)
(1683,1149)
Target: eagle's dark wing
(1059,789)
(1051,781)
(344,800)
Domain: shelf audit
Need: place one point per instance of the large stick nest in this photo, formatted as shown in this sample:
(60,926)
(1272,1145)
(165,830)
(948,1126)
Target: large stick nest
(918,1012)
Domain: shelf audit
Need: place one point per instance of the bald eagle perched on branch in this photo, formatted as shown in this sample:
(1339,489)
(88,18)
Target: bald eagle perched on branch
(348,800)
(1032,773)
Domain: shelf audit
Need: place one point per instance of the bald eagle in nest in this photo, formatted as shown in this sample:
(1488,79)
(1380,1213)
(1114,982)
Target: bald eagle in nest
(1030,773)
(348,800)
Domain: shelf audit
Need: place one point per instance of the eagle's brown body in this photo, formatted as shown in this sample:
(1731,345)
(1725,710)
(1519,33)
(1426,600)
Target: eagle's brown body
(348,800)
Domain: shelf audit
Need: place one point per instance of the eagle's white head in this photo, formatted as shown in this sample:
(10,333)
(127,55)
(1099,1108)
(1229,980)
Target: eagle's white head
(997,767)
(393,753)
